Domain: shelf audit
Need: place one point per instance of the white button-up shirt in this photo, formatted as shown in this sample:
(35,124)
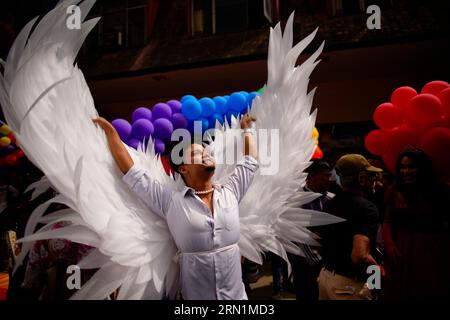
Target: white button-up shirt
(210,259)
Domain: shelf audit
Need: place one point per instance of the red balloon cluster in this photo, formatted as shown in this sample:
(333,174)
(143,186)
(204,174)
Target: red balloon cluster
(420,120)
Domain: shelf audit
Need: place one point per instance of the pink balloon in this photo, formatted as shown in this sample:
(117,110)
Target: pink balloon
(376,141)
(400,138)
(386,116)
(423,109)
(401,96)
(434,87)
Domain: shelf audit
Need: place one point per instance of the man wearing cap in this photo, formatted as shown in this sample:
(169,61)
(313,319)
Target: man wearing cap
(348,247)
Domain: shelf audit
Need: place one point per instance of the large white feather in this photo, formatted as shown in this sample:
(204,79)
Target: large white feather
(271,219)
(47,104)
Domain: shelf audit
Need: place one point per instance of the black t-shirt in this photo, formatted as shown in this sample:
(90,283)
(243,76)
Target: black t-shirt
(361,217)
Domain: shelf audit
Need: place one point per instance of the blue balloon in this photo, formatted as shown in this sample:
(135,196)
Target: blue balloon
(191,109)
(236,102)
(141,113)
(208,106)
(205,124)
(244,93)
(123,128)
(221,105)
(231,113)
(251,96)
(215,117)
(188,96)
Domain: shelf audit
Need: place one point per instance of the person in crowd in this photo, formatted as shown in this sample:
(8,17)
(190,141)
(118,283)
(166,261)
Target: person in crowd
(280,275)
(47,273)
(348,248)
(306,269)
(416,232)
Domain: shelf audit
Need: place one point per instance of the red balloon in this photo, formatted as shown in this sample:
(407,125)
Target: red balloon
(19,154)
(444,96)
(401,96)
(436,143)
(435,87)
(166,164)
(10,160)
(11,137)
(400,138)
(390,161)
(318,153)
(386,116)
(376,141)
(423,109)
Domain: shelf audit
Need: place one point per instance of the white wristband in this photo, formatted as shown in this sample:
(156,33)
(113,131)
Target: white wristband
(249,130)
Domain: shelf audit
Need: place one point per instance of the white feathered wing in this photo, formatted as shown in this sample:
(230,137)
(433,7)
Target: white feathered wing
(270,215)
(48,106)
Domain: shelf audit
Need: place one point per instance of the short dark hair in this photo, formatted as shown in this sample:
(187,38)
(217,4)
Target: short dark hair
(172,145)
(316,166)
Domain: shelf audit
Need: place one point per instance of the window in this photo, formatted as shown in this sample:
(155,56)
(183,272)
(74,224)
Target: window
(122,25)
(224,16)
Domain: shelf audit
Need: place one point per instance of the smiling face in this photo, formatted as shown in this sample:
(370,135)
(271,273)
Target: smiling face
(197,162)
(408,170)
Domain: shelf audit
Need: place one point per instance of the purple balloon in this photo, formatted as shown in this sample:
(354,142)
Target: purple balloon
(123,128)
(161,110)
(175,105)
(142,129)
(133,143)
(160,147)
(163,129)
(10,149)
(141,113)
(179,121)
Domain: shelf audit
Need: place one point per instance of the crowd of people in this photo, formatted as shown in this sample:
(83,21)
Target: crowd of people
(399,223)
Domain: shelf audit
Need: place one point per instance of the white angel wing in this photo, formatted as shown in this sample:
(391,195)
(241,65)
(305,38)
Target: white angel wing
(271,219)
(47,104)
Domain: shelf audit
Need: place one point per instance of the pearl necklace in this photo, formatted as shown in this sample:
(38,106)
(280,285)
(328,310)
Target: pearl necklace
(205,191)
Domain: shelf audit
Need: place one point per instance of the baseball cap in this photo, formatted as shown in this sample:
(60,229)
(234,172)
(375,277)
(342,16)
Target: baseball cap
(352,164)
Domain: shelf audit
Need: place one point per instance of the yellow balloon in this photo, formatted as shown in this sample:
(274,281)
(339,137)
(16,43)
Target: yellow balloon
(5,129)
(5,141)
(315,133)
